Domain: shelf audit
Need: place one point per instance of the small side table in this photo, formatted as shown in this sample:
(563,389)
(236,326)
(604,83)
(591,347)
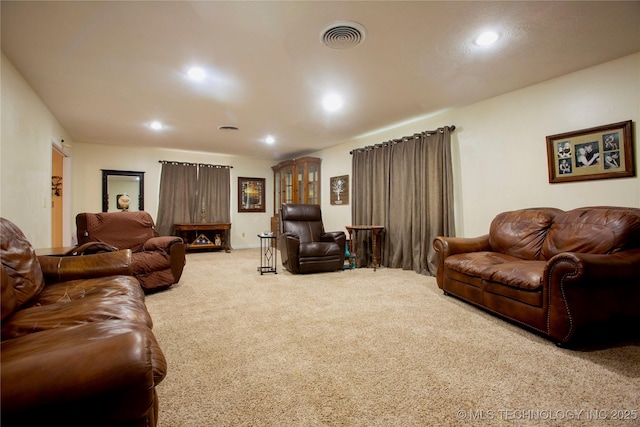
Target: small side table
(376,232)
(59,251)
(268,254)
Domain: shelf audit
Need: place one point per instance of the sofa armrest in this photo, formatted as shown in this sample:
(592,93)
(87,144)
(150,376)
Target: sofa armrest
(447,246)
(334,236)
(457,245)
(289,244)
(577,267)
(63,268)
(591,288)
(103,371)
(91,248)
(161,243)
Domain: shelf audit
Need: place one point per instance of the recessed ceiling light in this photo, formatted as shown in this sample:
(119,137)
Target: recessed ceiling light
(332,102)
(487,38)
(196,73)
(156,125)
(269,139)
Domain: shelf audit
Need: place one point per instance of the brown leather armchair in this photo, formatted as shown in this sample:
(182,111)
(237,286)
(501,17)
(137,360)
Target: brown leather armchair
(158,261)
(304,245)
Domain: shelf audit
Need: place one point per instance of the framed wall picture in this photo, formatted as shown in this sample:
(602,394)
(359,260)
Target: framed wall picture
(595,153)
(251,192)
(339,187)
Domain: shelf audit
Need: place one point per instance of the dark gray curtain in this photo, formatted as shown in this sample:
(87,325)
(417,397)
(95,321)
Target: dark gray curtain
(405,185)
(214,193)
(191,192)
(177,199)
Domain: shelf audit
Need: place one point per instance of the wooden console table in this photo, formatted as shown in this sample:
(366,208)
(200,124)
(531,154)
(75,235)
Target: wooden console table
(376,233)
(204,235)
(59,251)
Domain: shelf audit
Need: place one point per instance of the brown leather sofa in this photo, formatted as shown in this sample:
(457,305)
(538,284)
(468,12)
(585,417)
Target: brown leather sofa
(158,261)
(304,245)
(561,274)
(77,345)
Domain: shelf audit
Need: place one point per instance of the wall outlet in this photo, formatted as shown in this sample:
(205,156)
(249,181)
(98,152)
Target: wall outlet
(243,234)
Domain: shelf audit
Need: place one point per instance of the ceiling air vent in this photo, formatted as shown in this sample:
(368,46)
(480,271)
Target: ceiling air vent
(228,127)
(343,35)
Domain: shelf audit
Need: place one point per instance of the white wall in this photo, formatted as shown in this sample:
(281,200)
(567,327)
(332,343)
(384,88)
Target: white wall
(499,155)
(90,159)
(27,130)
(499,146)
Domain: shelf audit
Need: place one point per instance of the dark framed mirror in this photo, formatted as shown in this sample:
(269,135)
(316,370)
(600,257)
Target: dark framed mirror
(122,191)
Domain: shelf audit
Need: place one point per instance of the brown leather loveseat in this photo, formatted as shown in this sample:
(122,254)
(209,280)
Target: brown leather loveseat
(560,274)
(158,261)
(77,345)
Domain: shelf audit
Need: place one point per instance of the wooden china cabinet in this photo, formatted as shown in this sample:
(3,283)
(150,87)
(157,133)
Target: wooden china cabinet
(295,181)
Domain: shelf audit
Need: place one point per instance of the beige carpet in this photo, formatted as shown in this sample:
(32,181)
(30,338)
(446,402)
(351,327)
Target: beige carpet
(365,348)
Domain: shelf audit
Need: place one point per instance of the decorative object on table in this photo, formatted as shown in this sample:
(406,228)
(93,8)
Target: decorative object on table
(123,201)
(350,258)
(595,153)
(339,190)
(251,195)
(202,240)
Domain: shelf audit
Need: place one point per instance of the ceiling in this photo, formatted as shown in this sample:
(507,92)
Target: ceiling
(107,69)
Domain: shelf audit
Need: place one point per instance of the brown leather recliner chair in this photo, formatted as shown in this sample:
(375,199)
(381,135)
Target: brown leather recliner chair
(158,261)
(304,245)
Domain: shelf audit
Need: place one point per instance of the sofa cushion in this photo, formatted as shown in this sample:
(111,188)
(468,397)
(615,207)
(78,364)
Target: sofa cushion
(319,249)
(477,264)
(499,274)
(88,289)
(497,267)
(526,275)
(521,233)
(595,230)
(19,259)
(75,312)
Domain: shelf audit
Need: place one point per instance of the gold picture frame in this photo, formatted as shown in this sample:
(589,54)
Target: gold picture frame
(596,153)
(251,195)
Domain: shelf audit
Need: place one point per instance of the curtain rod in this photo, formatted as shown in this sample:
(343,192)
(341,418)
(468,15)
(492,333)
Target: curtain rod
(204,165)
(404,138)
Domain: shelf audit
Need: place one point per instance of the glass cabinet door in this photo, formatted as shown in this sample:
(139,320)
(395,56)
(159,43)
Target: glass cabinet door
(313,176)
(277,188)
(301,191)
(287,185)
(296,181)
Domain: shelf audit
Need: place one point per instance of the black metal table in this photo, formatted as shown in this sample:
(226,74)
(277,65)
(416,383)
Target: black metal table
(268,254)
